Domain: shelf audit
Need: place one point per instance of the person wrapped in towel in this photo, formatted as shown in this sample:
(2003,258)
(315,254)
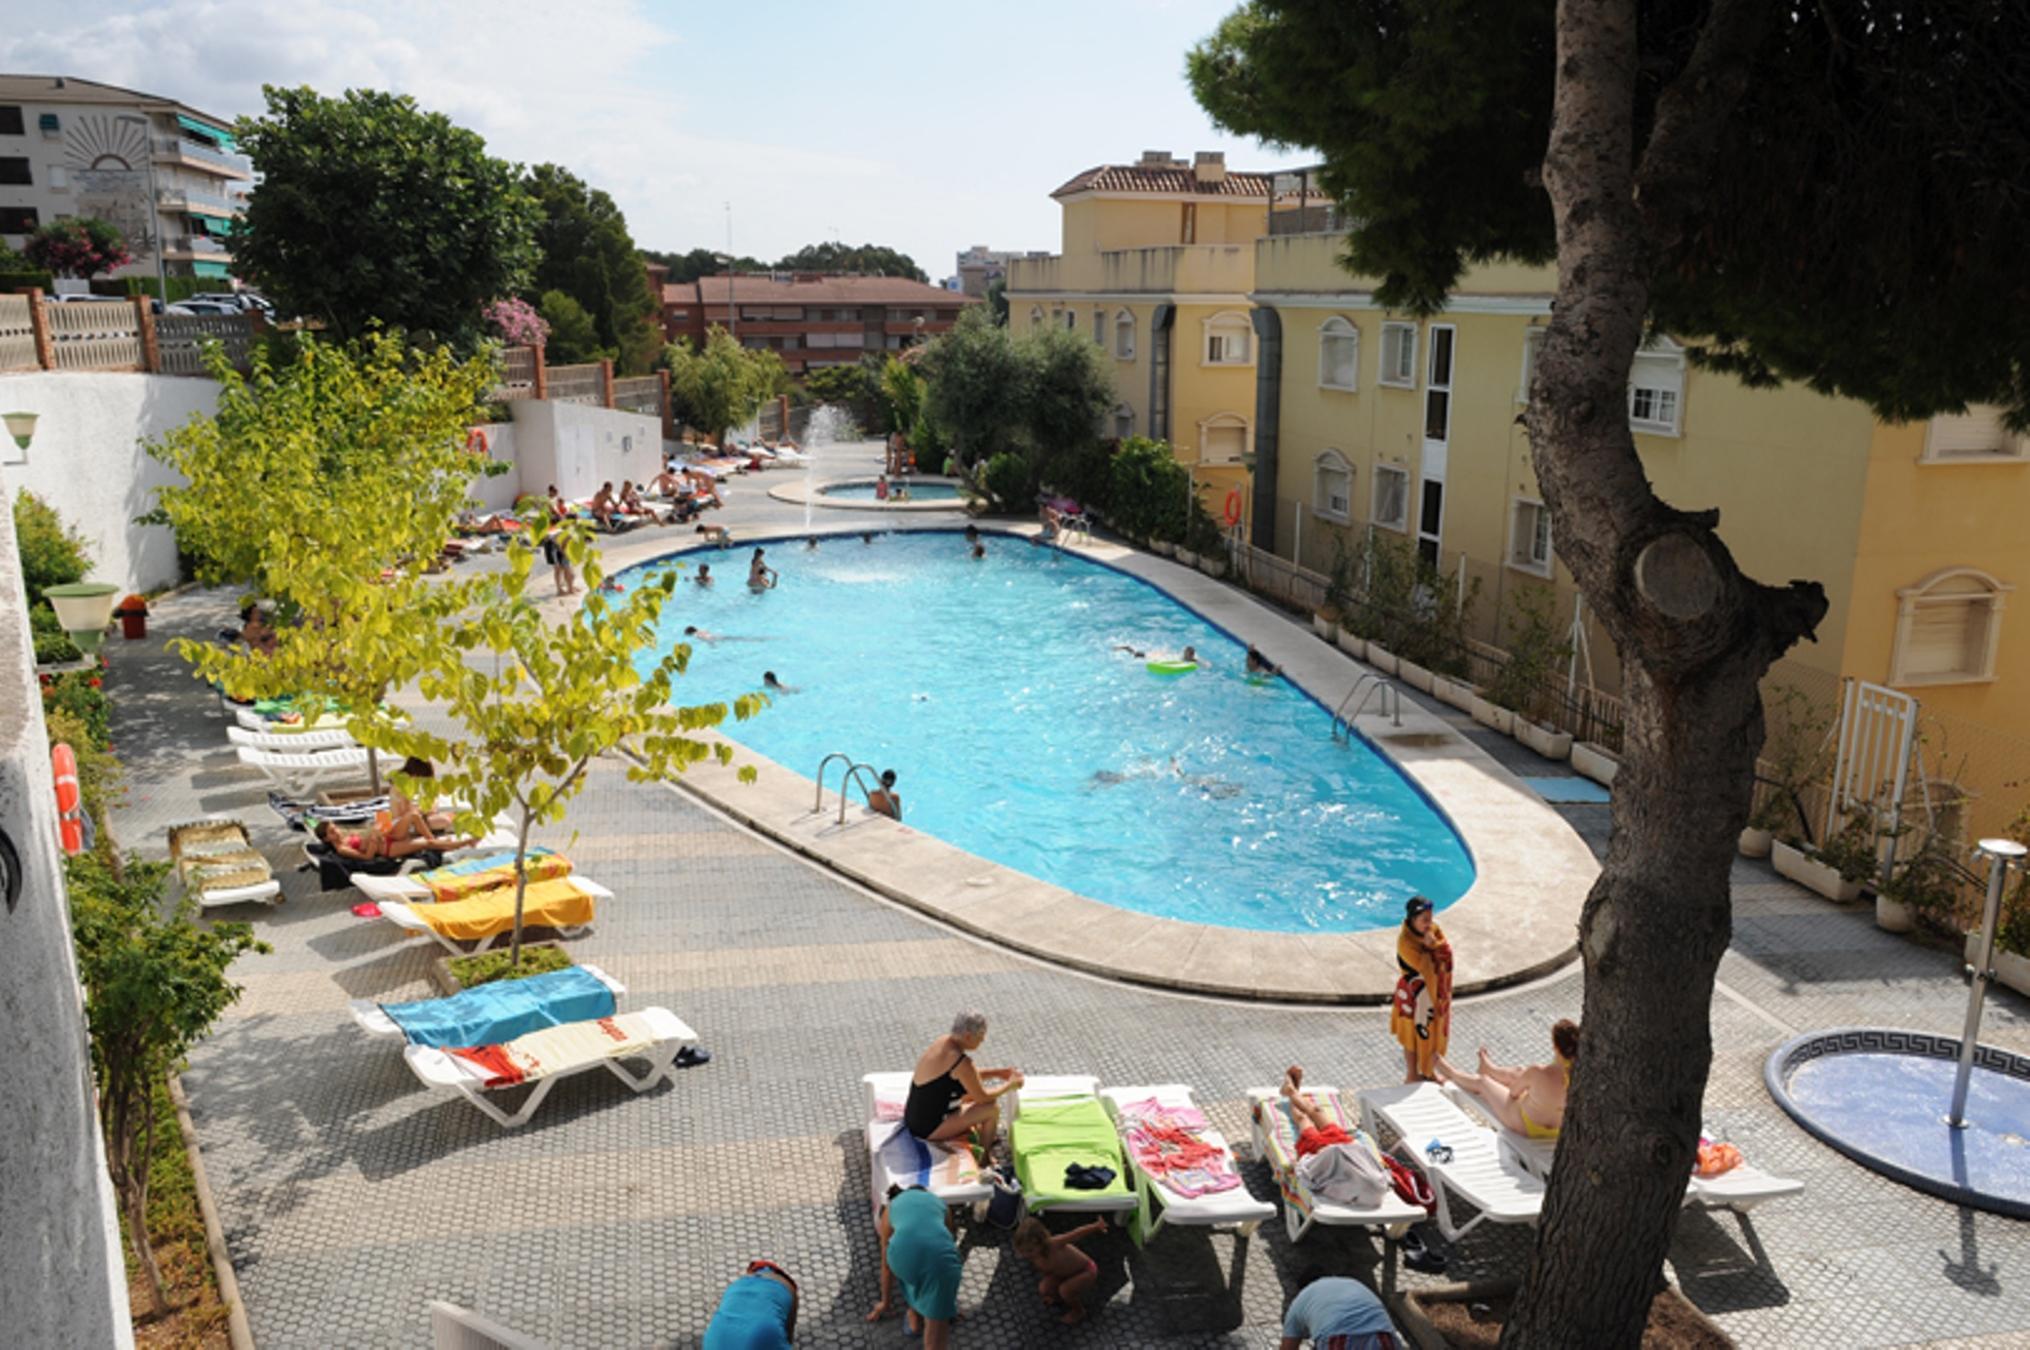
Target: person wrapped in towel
(1420,1018)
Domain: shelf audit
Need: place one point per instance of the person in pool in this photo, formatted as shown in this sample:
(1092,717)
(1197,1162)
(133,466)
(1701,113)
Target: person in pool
(757,1311)
(1259,664)
(979,552)
(760,576)
(811,544)
(697,634)
(704,577)
(885,798)
(949,1099)
(1189,656)
(1529,1100)
(972,534)
(866,538)
(775,686)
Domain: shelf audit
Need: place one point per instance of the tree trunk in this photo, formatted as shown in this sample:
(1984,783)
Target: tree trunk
(521,889)
(1695,637)
(130,1155)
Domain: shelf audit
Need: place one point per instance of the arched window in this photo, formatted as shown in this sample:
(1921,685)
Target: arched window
(1124,335)
(1222,439)
(1332,487)
(1228,339)
(1338,355)
(1948,627)
(1035,316)
(1124,421)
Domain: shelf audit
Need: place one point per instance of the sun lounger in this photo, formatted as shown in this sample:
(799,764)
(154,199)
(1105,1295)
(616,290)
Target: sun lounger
(218,864)
(1739,1188)
(1275,1133)
(1059,1123)
(456,1328)
(297,772)
(323,738)
(489,919)
(498,1011)
(1481,1172)
(544,1057)
(424,884)
(897,1158)
(1182,1198)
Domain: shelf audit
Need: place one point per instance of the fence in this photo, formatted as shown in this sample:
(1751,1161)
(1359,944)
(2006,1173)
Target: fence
(639,394)
(95,335)
(579,384)
(17,334)
(37,333)
(180,341)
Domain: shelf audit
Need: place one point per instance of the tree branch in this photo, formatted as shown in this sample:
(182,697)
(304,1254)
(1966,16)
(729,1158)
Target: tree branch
(1691,112)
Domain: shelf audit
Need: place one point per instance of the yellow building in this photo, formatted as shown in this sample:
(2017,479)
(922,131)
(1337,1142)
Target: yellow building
(1157,265)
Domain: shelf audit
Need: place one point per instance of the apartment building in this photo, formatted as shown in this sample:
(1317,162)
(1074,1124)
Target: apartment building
(812,320)
(980,266)
(1157,265)
(167,175)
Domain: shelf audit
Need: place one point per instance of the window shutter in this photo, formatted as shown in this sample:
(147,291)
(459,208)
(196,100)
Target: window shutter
(1977,431)
(1225,445)
(1946,638)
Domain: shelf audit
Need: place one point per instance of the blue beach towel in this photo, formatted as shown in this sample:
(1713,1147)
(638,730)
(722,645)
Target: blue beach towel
(504,1009)
(488,861)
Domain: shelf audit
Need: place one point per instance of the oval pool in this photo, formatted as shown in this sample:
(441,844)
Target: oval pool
(918,492)
(1020,733)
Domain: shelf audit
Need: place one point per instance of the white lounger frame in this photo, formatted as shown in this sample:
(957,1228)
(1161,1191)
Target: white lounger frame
(1394,1214)
(1040,1088)
(1481,1172)
(374,1022)
(1155,1203)
(448,1073)
(896,1086)
(325,738)
(402,916)
(298,773)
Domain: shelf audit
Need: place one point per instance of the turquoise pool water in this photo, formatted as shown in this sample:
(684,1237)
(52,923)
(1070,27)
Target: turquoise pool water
(918,492)
(1019,733)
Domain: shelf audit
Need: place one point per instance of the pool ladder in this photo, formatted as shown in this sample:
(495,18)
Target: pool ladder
(1365,690)
(854,772)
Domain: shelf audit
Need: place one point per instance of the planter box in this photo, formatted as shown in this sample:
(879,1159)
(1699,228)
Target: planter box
(1459,693)
(1546,741)
(1353,646)
(1596,762)
(1414,675)
(1423,1314)
(1814,875)
(2011,968)
(1493,715)
(1212,565)
(1185,556)
(1893,916)
(440,968)
(1756,843)
(1324,627)
(1161,547)
(1382,659)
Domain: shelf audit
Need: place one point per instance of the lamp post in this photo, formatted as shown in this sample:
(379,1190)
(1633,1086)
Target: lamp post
(2002,854)
(154,205)
(84,609)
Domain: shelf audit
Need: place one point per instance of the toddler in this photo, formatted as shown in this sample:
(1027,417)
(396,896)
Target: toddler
(1068,1273)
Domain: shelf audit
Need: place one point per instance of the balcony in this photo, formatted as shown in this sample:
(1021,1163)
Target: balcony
(195,248)
(1190,269)
(197,203)
(192,155)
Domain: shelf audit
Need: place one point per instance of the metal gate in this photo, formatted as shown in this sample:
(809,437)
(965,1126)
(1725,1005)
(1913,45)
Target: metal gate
(1871,768)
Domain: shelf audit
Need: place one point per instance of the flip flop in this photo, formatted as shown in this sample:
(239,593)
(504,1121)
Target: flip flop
(692,1055)
(367,910)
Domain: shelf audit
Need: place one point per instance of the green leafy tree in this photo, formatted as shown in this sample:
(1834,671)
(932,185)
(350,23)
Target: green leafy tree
(587,253)
(573,336)
(857,388)
(722,385)
(1071,390)
(978,386)
(1763,183)
(901,395)
(865,259)
(537,702)
(700,262)
(371,210)
(327,487)
(997,300)
(155,982)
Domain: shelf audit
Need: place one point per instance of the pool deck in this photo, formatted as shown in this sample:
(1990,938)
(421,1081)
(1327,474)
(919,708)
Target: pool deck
(1517,921)
(806,490)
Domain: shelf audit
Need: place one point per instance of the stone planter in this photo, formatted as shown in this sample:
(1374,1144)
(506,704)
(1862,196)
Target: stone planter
(1458,693)
(1324,627)
(1185,557)
(1212,565)
(1893,916)
(440,968)
(1162,548)
(2011,968)
(1755,843)
(1423,1314)
(1414,675)
(1546,741)
(1596,762)
(1382,659)
(1351,643)
(1813,875)
(1493,715)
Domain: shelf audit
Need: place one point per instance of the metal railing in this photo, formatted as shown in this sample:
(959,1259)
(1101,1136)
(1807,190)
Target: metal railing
(180,341)
(187,199)
(177,147)
(854,772)
(1365,690)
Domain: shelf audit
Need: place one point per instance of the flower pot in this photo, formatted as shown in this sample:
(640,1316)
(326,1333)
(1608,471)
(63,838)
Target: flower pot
(1893,916)
(1755,843)
(1458,693)
(1162,548)
(1381,658)
(1212,565)
(1546,741)
(1327,628)
(1351,643)
(133,617)
(1493,715)
(1185,556)
(1596,762)
(1416,676)
(1813,875)
(2011,968)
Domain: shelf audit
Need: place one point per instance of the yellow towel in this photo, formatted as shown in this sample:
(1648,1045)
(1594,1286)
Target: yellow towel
(446,885)
(550,904)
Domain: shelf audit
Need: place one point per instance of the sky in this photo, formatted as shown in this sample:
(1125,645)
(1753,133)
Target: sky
(926,127)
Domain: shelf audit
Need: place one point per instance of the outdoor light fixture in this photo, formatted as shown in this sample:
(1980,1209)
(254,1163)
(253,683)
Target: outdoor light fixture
(21,426)
(2001,855)
(84,609)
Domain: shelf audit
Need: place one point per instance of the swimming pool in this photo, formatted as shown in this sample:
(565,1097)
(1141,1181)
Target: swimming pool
(1019,733)
(918,492)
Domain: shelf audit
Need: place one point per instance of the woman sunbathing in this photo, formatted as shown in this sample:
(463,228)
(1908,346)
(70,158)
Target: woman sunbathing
(405,820)
(1530,1100)
(366,844)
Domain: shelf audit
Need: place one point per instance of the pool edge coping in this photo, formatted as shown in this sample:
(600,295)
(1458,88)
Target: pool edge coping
(808,493)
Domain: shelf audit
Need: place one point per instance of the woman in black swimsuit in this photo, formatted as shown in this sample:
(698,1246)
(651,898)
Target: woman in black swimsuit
(949,1097)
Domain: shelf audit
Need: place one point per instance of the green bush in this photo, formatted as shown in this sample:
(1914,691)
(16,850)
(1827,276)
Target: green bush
(1149,489)
(1010,486)
(79,694)
(27,280)
(487,967)
(1534,648)
(52,554)
(55,649)
(1084,474)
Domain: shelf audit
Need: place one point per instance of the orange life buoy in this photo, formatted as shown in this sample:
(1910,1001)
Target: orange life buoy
(1233,507)
(71,832)
(70,824)
(477,443)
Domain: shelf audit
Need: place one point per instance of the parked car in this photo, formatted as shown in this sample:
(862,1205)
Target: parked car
(197,306)
(241,301)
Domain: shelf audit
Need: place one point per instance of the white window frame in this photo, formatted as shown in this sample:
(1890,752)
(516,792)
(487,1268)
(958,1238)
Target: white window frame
(1331,462)
(1941,441)
(1124,319)
(1228,323)
(1124,421)
(1910,600)
(1339,329)
(1100,325)
(1523,553)
(1035,317)
(1224,422)
(1664,355)
(1401,523)
(1433,384)
(1402,337)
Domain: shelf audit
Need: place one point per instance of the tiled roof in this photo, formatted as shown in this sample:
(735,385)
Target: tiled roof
(71,89)
(1138,178)
(836,290)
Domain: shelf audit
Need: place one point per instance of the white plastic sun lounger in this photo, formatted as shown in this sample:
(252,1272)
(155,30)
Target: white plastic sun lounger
(1155,1202)
(449,1073)
(1038,1089)
(298,772)
(456,1328)
(324,738)
(374,1022)
(896,1158)
(1481,1172)
(1304,1208)
(399,914)
(1739,1188)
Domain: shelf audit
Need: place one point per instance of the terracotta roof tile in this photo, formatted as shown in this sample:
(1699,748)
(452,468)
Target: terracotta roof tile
(1141,178)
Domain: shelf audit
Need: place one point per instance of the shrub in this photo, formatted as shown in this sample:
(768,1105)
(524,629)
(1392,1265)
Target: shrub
(1084,474)
(1009,485)
(1851,851)
(79,694)
(1534,648)
(1793,757)
(100,778)
(487,967)
(52,554)
(1148,489)
(1203,535)
(1383,611)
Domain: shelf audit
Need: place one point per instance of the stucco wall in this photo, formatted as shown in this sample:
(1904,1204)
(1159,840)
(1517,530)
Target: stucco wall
(62,1280)
(578,447)
(87,461)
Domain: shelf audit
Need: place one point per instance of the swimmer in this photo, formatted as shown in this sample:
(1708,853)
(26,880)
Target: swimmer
(1259,664)
(704,577)
(885,798)
(775,686)
(811,544)
(979,552)
(700,635)
(972,534)
(866,538)
(760,576)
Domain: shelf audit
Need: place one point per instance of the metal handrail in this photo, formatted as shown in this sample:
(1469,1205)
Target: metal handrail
(855,772)
(1365,689)
(824,764)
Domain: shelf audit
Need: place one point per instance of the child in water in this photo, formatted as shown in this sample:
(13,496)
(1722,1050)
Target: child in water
(1068,1273)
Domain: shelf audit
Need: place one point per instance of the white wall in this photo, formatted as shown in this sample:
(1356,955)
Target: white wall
(498,493)
(578,447)
(86,460)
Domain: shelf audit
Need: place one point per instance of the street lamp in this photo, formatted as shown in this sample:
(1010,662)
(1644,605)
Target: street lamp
(154,204)
(84,609)
(2001,854)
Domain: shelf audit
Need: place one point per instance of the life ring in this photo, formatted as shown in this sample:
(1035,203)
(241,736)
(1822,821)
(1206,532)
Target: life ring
(477,443)
(1233,506)
(1172,667)
(69,798)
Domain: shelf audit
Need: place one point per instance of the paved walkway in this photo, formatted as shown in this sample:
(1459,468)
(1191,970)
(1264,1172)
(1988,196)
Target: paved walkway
(351,1197)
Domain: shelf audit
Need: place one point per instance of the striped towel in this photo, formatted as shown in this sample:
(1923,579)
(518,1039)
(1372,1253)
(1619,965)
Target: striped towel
(555,1050)
(909,1161)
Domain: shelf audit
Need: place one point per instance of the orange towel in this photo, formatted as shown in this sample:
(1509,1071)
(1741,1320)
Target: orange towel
(549,904)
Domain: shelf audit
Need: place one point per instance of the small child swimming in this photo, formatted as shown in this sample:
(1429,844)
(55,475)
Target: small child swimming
(1068,1273)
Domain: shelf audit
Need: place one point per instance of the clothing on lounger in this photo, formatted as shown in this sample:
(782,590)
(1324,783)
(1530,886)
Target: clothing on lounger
(554,1050)
(753,1315)
(504,1009)
(923,1256)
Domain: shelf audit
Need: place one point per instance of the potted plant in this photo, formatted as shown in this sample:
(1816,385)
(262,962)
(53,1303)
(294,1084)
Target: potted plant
(132,613)
(1928,882)
(1758,836)
(1838,868)
(1325,619)
(1793,758)
(1591,759)
(1337,603)
(1534,649)
(1455,690)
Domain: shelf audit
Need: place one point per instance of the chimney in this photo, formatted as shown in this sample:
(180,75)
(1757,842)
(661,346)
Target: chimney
(1155,159)
(1209,167)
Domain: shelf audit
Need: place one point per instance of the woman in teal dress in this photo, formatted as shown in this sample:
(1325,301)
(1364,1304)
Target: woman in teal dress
(918,1251)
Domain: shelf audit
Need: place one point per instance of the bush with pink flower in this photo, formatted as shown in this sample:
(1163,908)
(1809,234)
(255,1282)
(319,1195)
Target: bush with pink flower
(517,322)
(82,246)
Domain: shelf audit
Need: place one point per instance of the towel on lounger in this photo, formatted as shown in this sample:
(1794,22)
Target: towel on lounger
(1049,1136)
(555,1050)
(459,880)
(491,1013)
(548,904)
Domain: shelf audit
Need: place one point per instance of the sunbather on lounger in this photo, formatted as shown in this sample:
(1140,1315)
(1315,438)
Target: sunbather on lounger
(949,1097)
(364,843)
(1332,1162)
(1529,1100)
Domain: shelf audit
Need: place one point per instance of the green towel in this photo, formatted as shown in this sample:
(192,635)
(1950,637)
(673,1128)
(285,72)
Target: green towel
(1051,1135)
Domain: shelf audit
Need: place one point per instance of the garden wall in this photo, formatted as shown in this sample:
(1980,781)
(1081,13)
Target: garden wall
(578,447)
